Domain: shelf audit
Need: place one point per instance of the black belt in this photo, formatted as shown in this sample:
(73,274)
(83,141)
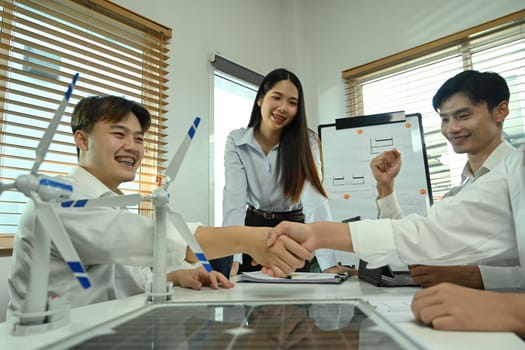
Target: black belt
(291,215)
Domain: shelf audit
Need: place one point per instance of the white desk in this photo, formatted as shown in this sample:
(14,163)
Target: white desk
(393,303)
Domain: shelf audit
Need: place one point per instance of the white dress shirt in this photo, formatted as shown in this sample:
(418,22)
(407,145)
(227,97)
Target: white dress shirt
(515,167)
(250,180)
(512,278)
(475,226)
(115,246)
(494,277)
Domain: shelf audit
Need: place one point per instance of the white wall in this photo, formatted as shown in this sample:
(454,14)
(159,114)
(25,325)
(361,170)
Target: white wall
(340,34)
(245,31)
(315,38)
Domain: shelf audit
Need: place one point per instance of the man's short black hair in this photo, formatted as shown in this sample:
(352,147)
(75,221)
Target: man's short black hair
(479,87)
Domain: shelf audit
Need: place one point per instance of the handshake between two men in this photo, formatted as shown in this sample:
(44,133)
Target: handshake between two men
(300,240)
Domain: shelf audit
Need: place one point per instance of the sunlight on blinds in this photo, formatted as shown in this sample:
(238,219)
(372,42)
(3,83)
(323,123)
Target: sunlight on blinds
(409,83)
(42,44)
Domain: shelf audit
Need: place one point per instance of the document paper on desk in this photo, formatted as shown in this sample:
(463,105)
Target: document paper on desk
(295,277)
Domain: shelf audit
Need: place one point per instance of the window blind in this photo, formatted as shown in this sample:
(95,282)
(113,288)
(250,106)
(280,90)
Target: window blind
(236,70)
(42,44)
(408,81)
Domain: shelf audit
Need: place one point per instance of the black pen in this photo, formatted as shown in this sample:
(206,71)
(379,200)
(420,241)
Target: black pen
(349,266)
(353,219)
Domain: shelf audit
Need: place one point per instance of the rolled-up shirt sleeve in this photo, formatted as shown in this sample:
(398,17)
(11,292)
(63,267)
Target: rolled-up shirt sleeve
(502,278)
(473,227)
(388,207)
(378,248)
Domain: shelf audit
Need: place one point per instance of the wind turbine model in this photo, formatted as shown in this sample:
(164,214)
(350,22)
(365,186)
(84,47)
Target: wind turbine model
(160,290)
(40,311)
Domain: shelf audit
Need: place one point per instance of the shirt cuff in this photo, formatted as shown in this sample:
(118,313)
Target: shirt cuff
(325,258)
(184,265)
(388,207)
(509,278)
(373,240)
(238,258)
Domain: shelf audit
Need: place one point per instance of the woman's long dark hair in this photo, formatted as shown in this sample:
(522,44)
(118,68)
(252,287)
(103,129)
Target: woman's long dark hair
(295,161)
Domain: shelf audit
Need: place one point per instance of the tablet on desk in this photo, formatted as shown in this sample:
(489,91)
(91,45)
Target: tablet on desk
(263,324)
(384,276)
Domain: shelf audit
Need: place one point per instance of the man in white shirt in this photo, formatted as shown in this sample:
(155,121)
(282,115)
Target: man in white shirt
(451,307)
(472,106)
(116,245)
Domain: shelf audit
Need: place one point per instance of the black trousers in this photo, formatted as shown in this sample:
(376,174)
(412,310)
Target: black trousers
(258,218)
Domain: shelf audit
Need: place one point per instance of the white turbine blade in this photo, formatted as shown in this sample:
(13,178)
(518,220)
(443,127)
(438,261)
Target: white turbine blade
(43,146)
(115,201)
(49,219)
(176,161)
(185,232)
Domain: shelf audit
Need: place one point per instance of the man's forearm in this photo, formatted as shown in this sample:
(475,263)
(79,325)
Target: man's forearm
(513,312)
(217,242)
(384,189)
(333,235)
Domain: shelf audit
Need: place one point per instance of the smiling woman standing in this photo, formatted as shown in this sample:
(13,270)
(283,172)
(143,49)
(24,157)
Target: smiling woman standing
(272,168)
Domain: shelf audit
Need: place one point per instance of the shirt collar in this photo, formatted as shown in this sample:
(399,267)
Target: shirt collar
(248,138)
(90,182)
(499,153)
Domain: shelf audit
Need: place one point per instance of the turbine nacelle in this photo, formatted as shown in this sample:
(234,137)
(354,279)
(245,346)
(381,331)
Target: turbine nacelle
(160,197)
(48,188)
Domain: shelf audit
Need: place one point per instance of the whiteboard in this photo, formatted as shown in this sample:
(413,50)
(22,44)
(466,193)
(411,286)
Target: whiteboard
(348,146)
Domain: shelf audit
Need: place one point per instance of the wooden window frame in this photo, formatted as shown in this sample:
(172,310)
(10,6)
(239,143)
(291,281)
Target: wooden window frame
(92,17)
(431,52)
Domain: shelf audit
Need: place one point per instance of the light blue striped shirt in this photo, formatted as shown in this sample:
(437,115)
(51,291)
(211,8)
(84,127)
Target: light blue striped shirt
(250,180)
